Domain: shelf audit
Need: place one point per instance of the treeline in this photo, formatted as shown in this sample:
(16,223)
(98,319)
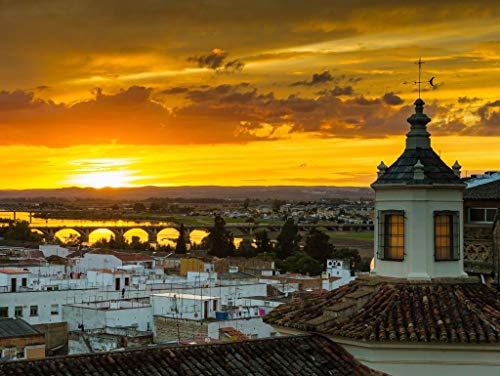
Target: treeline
(286,252)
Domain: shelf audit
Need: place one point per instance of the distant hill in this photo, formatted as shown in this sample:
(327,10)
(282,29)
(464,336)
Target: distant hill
(234,193)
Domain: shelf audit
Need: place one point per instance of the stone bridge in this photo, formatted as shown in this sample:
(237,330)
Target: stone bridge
(240,229)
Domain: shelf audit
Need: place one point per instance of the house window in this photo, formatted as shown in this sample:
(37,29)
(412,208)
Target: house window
(54,309)
(4,311)
(446,236)
(391,234)
(482,215)
(34,310)
(24,282)
(18,311)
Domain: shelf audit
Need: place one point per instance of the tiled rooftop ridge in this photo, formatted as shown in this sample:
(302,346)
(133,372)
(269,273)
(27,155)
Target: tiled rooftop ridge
(385,309)
(297,355)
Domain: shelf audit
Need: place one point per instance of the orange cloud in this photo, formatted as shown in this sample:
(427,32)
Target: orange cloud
(222,114)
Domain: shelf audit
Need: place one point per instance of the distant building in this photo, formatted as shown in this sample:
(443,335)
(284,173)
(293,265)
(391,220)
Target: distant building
(19,340)
(12,280)
(481,207)
(337,274)
(100,259)
(194,265)
(54,250)
(116,279)
(179,317)
(136,313)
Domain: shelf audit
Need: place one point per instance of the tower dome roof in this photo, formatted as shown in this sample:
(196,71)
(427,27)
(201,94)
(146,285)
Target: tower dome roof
(418,148)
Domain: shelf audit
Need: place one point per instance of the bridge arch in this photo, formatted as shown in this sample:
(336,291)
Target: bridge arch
(98,234)
(68,235)
(196,235)
(141,233)
(169,236)
(40,232)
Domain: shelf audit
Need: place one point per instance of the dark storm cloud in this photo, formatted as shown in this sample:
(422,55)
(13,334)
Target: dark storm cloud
(175,90)
(317,79)
(42,88)
(464,100)
(337,91)
(216,60)
(18,100)
(392,99)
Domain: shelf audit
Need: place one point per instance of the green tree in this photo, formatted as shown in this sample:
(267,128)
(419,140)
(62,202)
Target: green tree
(139,207)
(277,205)
(288,240)
(246,203)
(301,263)
(262,242)
(180,246)
(220,241)
(246,249)
(351,255)
(317,246)
(154,206)
(19,230)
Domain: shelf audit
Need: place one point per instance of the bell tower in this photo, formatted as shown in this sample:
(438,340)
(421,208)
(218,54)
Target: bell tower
(418,211)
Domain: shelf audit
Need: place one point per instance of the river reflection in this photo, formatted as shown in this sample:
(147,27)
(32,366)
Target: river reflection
(24,216)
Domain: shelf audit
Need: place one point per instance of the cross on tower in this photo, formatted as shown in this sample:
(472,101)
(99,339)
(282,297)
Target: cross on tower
(419,81)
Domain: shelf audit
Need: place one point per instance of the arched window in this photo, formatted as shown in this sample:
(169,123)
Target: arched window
(391,235)
(446,236)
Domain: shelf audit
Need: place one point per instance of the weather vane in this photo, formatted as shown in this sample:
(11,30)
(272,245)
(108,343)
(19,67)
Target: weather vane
(419,82)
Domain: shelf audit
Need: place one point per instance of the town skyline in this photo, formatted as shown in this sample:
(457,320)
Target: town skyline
(288,93)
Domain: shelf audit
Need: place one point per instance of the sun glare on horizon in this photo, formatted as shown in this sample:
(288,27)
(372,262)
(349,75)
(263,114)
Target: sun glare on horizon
(102,172)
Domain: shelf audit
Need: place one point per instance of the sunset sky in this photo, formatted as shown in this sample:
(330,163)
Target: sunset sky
(219,92)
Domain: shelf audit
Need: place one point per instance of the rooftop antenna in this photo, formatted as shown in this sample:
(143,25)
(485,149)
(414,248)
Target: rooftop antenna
(419,82)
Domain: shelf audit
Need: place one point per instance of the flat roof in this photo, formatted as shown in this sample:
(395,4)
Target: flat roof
(186,296)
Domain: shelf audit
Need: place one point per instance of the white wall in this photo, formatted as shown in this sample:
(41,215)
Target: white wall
(47,270)
(6,280)
(53,250)
(97,278)
(44,299)
(419,205)
(97,261)
(184,307)
(94,318)
(426,359)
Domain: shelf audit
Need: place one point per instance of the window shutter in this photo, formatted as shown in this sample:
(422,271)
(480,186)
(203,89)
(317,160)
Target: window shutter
(381,231)
(456,236)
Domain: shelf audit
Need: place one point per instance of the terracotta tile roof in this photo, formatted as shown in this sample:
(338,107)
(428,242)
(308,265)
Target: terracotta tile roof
(233,333)
(14,271)
(376,309)
(124,256)
(109,271)
(297,355)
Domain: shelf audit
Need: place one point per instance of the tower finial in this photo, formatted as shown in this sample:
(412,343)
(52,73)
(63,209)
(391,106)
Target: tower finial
(419,62)
(419,82)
